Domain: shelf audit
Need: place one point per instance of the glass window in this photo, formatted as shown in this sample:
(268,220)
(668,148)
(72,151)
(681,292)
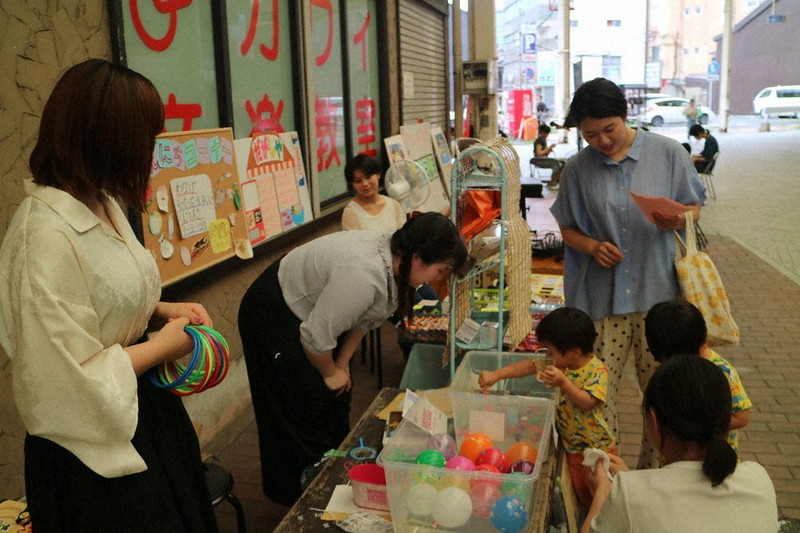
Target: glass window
(612,68)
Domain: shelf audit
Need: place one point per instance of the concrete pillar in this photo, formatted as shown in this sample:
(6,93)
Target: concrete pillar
(483,47)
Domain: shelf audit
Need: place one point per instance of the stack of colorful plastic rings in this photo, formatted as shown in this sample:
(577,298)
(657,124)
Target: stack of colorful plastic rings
(207,367)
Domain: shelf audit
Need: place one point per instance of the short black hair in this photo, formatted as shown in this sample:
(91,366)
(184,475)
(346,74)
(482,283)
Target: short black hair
(567,328)
(544,128)
(363,162)
(674,327)
(696,129)
(598,98)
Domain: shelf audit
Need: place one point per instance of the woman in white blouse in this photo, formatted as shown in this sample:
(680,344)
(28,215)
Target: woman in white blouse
(106,450)
(369,209)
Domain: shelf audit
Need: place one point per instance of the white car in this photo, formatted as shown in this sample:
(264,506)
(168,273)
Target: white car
(781,100)
(660,111)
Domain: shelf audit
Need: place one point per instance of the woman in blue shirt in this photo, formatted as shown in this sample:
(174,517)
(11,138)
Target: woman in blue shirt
(617,263)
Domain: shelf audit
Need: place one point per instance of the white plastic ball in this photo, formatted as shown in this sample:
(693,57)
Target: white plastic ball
(420,499)
(452,507)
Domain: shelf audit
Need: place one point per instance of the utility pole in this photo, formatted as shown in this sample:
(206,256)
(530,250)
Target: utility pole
(725,67)
(565,64)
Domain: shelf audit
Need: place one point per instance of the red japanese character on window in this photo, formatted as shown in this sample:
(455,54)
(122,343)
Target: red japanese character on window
(164,7)
(326,5)
(266,116)
(270,52)
(185,112)
(361,37)
(365,116)
(327,124)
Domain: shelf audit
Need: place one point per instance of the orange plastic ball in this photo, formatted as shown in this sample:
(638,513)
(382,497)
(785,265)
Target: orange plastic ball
(474,444)
(521,451)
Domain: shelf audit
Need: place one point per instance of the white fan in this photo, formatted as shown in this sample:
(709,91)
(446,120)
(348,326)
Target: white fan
(408,183)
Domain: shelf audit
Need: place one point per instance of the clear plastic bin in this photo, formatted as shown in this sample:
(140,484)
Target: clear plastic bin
(427,498)
(466,376)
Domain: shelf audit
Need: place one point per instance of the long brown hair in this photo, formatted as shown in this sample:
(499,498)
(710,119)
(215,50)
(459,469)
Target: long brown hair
(97,133)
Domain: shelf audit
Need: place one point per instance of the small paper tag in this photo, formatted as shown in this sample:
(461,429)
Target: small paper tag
(427,417)
(468,331)
(493,425)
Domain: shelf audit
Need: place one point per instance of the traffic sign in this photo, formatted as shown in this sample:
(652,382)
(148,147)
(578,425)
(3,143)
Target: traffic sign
(713,68)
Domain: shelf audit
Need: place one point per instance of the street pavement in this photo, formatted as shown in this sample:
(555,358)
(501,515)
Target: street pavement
(753,229)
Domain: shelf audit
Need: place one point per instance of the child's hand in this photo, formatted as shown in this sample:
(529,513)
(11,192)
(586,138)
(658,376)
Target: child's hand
(486,379)
(598,477)
(616,464)
(552,377)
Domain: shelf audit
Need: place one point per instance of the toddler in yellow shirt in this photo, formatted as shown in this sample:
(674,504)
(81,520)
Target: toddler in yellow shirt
(569,334)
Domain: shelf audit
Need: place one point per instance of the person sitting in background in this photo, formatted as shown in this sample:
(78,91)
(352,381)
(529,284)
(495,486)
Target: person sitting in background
(369,209)
(710,147)
(542,159)
(677,327)
(702,487)
(569,334)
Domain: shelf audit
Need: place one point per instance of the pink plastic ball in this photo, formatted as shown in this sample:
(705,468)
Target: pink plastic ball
(444,443)
(459,462)
(492,456)
(483,496)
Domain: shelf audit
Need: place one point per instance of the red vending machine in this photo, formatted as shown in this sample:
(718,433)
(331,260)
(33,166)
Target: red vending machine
(519,106)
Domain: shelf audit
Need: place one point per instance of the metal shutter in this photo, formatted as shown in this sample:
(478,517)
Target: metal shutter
(423,56)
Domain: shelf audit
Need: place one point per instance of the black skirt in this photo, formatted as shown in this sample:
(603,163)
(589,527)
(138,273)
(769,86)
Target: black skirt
(171,495)
(297,417)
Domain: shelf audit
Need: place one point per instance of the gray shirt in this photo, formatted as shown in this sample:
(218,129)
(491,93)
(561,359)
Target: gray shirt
(339,282)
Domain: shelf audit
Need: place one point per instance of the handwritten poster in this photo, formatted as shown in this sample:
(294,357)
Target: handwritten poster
(194,204)
(275,187)
(194,217)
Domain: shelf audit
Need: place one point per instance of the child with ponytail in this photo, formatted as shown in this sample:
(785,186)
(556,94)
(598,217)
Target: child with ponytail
(701,487)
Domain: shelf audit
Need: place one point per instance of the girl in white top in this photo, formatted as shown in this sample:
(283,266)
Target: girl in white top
(369,209)
(701,488)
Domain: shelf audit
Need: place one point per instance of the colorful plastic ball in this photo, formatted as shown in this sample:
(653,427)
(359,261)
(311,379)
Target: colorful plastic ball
(521,451)
(509,514)
(492,456)
(514,484)
(454,481)
(473,444)
(492,480)
(431,458)
(523,466)
(459,462)
(444,443)
(420,499)
(483,496)
(452,507)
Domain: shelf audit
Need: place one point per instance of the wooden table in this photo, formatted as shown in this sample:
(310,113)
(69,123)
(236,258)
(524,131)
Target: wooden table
(304,516)
(547,266)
